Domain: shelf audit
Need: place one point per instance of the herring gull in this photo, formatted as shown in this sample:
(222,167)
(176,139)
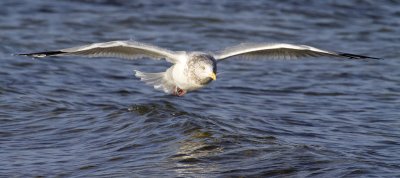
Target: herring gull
(191,70)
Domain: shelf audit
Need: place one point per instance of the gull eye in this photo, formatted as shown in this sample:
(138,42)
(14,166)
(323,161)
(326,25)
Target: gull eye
(203,68)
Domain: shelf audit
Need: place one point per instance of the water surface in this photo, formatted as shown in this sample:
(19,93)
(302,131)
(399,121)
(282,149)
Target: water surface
(80,117)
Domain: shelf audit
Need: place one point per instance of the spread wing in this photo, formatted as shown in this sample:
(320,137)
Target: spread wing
(280,50)
(121,49)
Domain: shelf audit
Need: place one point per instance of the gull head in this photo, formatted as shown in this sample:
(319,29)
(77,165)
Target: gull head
(202,68)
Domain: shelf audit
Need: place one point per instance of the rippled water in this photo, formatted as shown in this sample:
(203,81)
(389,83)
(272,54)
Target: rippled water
(79,117)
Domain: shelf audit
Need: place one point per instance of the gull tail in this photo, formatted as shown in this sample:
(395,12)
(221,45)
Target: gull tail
(160,81)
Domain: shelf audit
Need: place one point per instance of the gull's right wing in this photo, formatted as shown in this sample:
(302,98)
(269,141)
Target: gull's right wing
(121,49)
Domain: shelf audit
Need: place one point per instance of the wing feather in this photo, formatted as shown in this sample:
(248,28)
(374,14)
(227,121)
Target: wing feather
(121,49)
(280,50)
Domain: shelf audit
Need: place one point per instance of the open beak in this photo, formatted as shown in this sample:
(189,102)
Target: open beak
(213,76)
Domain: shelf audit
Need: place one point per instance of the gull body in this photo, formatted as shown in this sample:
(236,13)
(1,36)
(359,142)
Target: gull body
(191,70)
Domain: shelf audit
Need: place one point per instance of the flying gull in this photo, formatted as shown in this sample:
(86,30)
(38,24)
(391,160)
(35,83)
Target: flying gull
(191,70)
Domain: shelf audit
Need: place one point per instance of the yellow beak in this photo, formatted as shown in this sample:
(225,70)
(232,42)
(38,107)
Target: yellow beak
(213,76)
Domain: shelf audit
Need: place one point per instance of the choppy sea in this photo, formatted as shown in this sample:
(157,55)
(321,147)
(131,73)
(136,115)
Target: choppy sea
(90,117)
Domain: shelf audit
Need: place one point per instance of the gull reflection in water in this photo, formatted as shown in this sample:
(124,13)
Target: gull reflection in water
(193,155)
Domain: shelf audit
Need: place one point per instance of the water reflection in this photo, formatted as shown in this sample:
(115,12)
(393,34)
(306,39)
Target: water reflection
(193,155)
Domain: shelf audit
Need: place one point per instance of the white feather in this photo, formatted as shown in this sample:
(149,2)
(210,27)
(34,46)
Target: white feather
(123,49)
(272,51)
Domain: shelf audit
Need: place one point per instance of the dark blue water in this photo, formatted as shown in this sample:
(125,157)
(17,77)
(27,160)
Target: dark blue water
(83,117)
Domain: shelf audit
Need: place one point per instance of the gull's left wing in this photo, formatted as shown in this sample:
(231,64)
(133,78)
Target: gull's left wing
(280,50)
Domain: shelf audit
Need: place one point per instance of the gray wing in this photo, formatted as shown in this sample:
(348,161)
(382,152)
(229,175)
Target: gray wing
(280,50)
(121,49)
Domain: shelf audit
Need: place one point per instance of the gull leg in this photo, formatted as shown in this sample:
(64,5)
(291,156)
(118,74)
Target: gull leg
(179,92)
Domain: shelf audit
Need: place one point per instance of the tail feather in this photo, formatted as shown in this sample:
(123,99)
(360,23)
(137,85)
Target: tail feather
(158,80)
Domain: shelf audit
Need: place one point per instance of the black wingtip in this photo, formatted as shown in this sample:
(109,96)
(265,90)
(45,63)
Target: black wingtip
(42,54)
(355,56)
